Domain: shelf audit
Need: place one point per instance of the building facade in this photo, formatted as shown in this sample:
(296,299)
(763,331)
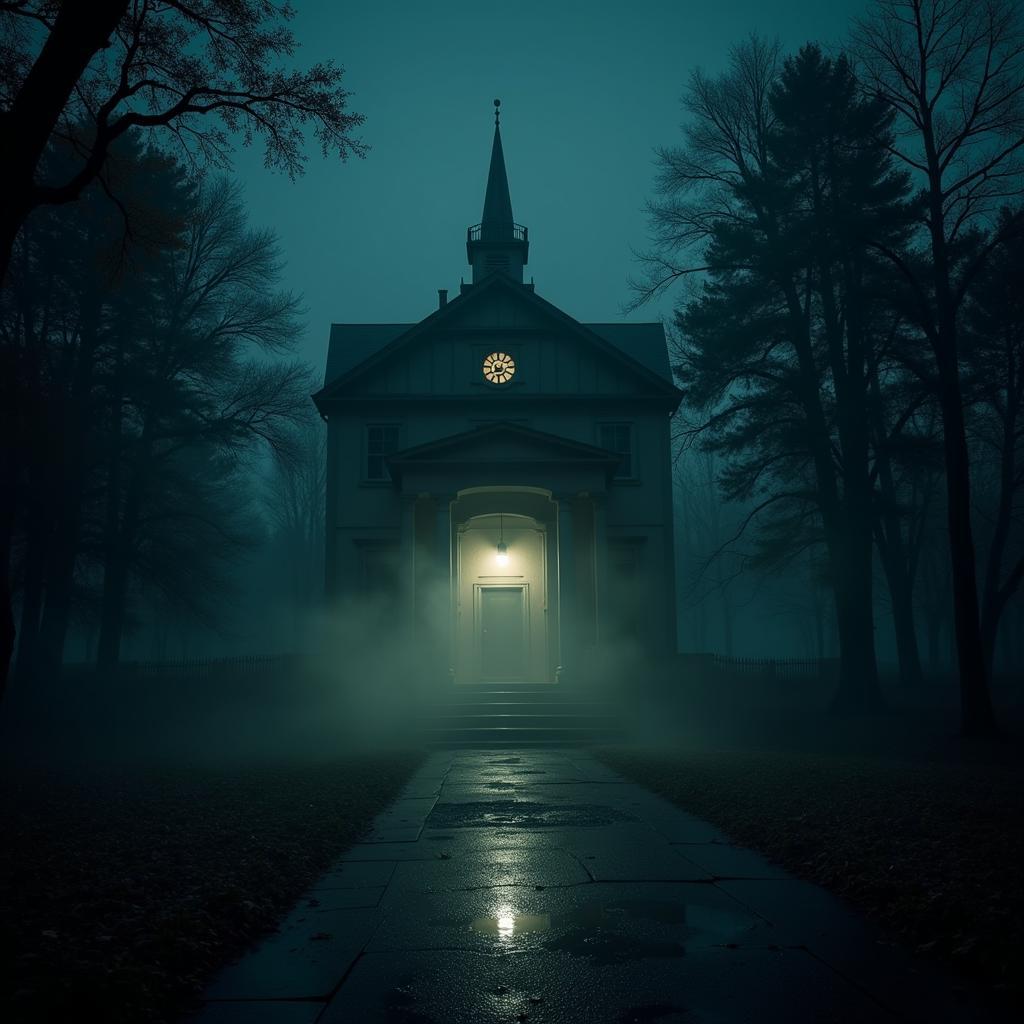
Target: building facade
(499,481)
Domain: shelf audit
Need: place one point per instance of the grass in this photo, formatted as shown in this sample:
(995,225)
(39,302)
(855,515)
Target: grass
(929,850)
(123,889)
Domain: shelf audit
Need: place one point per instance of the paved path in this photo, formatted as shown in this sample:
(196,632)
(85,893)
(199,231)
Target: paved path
(539,887)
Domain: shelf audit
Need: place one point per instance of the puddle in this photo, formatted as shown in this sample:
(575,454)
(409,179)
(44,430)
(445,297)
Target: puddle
(505,926)
(522,814)
(621,930)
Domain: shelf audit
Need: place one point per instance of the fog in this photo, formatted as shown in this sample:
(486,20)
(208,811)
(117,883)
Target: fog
(845,533)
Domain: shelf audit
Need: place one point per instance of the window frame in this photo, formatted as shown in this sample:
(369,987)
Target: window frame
(633,475)
(365,453)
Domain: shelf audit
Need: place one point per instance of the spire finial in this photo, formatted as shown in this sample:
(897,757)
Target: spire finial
(497,112)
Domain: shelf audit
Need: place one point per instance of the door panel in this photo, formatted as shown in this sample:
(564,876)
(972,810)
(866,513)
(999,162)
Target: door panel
(503,641)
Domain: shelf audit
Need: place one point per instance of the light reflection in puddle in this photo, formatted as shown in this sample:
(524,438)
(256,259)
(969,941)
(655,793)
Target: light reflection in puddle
(684,921)
(506,923)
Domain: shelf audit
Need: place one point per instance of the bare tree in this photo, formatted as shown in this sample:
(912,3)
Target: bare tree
(196,376)
(953,70)
(197,74)
(994,344)
(199,70)
(296,497)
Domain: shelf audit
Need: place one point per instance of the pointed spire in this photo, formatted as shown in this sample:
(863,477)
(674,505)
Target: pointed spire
(497,221)
(497,243)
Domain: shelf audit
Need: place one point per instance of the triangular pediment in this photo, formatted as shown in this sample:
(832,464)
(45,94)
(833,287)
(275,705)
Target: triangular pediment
(505,444)
(442,354)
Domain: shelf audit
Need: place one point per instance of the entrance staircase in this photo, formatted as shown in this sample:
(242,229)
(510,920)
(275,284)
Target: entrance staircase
(520,715)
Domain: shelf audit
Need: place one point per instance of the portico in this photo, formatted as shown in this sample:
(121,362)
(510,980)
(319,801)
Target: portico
(504,545)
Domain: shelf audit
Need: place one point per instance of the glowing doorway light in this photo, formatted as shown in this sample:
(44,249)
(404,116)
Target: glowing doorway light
(502,555)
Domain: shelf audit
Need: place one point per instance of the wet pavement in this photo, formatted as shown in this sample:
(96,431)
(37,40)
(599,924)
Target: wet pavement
(540,887)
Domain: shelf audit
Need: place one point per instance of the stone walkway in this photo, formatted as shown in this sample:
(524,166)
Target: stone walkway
(540,887)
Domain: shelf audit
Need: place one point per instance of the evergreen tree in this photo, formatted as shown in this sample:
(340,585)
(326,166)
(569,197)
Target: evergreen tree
(779,346)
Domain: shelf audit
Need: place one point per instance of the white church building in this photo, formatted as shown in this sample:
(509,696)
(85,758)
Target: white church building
(499,476)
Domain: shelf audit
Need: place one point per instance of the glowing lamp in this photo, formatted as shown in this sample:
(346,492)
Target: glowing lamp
(502,556)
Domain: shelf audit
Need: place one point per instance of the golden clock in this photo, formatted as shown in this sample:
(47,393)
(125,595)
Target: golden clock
(499,368)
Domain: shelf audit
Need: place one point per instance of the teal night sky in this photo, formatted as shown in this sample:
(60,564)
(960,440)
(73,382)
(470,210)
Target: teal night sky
(588,91)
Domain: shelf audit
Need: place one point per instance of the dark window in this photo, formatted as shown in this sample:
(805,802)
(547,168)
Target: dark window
(381,441)
(618,438)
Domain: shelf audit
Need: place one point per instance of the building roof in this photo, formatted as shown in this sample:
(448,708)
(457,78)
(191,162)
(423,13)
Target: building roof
(352,344)
(643,342)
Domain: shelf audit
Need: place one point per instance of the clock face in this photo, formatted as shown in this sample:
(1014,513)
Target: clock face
(499,368)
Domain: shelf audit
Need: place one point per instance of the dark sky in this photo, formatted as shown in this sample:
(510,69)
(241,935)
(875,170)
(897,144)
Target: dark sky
(588,90)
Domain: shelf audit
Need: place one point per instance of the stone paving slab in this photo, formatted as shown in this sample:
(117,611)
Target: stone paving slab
(639,862)
(539,886)
(508,867)
(603,922)
(561,988)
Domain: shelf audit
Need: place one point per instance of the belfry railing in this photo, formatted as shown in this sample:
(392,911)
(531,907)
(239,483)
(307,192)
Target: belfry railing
(497,233)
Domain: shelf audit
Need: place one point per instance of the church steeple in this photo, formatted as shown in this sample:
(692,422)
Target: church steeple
(497,243)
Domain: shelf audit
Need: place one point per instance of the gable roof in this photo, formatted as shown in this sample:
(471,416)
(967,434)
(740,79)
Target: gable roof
(355,347)
(643,342)
(352,344)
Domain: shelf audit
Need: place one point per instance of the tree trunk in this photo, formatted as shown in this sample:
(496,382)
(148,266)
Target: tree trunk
(976,717)
(858,691)
(115,594)
(79,31)
(999,586)
(899,563)
(903,620)
(901,593)
(60,576)
(32,592)
(7,629)
(120,544)
(8,474)
(933,621)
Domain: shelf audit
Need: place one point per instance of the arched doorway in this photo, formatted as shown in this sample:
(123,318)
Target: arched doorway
(506,623)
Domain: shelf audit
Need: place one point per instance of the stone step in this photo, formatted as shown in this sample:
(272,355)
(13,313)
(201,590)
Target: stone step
(523,707)
(473,693)
(506,736)
(503,714)
(534,721)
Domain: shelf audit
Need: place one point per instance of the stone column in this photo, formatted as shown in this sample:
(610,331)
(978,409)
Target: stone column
(602,595)
(566,590)
(407,565)
(444,584)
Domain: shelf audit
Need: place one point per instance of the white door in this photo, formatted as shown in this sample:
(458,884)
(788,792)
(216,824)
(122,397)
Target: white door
(503,638)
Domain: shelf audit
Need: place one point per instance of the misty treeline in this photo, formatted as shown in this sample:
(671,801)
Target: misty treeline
(150,387)
(197,77)
(846,233)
